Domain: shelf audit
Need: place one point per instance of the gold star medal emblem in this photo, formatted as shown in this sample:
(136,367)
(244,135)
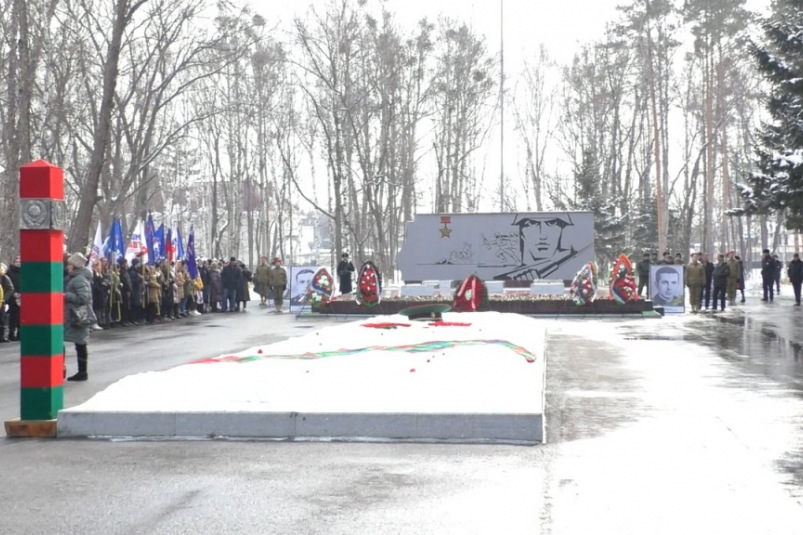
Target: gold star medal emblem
(446,232)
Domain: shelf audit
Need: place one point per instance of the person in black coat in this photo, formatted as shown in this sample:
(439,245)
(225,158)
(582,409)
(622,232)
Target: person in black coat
(137,288)
(795,272)
(705,298)
(768,268)
(721,274)
(244,295)
(777,275)
(125,290)
(231,277)
(345,270)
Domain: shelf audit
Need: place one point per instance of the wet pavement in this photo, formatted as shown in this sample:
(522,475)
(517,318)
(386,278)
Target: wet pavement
(680,425)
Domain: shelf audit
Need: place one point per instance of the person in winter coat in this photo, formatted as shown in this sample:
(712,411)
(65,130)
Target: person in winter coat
(189,294)
(795,272)
(8,296)
(244,295)
(181,279)
(263,281)
(154,294)
(231,277)
(14,304)
(741,282)
(204,274)
(721,275)
(777,275)
(643,270)
(695,280)
(345,270)
(125,288)
(137,292)
(215,288)
(278,281)
(705,298)
(733,279)
(77,295)
(679,260)
(768,268)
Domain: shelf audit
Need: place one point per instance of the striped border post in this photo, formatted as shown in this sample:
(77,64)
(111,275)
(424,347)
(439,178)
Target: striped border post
(42,291)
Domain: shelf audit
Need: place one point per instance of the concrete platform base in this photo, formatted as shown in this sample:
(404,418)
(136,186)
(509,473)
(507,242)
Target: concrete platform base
(17,428)
(480,428)
(477,381)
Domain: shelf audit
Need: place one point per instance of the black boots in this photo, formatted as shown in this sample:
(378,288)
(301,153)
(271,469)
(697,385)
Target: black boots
(83,357)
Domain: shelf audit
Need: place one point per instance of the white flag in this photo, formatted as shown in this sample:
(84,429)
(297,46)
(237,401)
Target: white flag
(97,248)
(136,247)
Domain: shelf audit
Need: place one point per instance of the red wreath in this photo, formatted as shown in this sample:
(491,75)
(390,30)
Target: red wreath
(471,296)
(368,285)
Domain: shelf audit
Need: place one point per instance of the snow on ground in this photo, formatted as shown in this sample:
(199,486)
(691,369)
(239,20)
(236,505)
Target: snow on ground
(494,365)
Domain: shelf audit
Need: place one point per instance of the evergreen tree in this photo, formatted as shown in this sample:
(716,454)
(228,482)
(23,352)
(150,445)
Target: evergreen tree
(609,228)
(778,183)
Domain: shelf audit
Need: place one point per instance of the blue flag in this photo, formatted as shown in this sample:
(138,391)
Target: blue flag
(179,248)
(115,245)
(150,231)
(159,243)
(192,267)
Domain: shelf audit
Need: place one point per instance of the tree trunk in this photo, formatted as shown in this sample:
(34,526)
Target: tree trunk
(79,234)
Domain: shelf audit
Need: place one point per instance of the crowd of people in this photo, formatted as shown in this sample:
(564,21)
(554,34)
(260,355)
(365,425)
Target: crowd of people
(122,294)
(713,284)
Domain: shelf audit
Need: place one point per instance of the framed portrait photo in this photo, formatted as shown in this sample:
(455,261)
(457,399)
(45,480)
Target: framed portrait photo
(667,288)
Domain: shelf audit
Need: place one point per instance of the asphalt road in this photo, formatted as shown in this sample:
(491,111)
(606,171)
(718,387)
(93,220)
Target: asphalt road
(682,425)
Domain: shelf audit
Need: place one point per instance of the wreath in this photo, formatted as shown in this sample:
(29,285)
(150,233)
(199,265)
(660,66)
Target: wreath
(471,296)
(368,287)
(319,292)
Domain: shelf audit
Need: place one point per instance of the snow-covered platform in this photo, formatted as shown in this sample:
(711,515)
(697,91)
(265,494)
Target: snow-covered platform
(470,378)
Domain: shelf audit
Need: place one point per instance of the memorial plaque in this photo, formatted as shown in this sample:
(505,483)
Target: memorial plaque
(497,246)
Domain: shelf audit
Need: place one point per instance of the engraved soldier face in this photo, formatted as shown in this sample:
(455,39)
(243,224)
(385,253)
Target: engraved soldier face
(540,237)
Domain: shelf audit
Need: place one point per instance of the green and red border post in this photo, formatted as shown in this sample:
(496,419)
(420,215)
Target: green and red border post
(42,300)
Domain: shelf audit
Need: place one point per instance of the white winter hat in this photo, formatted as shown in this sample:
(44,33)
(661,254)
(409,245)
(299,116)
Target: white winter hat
(77,260)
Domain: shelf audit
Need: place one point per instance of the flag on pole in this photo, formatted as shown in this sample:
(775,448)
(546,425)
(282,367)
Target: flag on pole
(170,251)
(159,243)
(136,247)
(149,240)
(178,246)
(97,247)
(192,266)
(114,248)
